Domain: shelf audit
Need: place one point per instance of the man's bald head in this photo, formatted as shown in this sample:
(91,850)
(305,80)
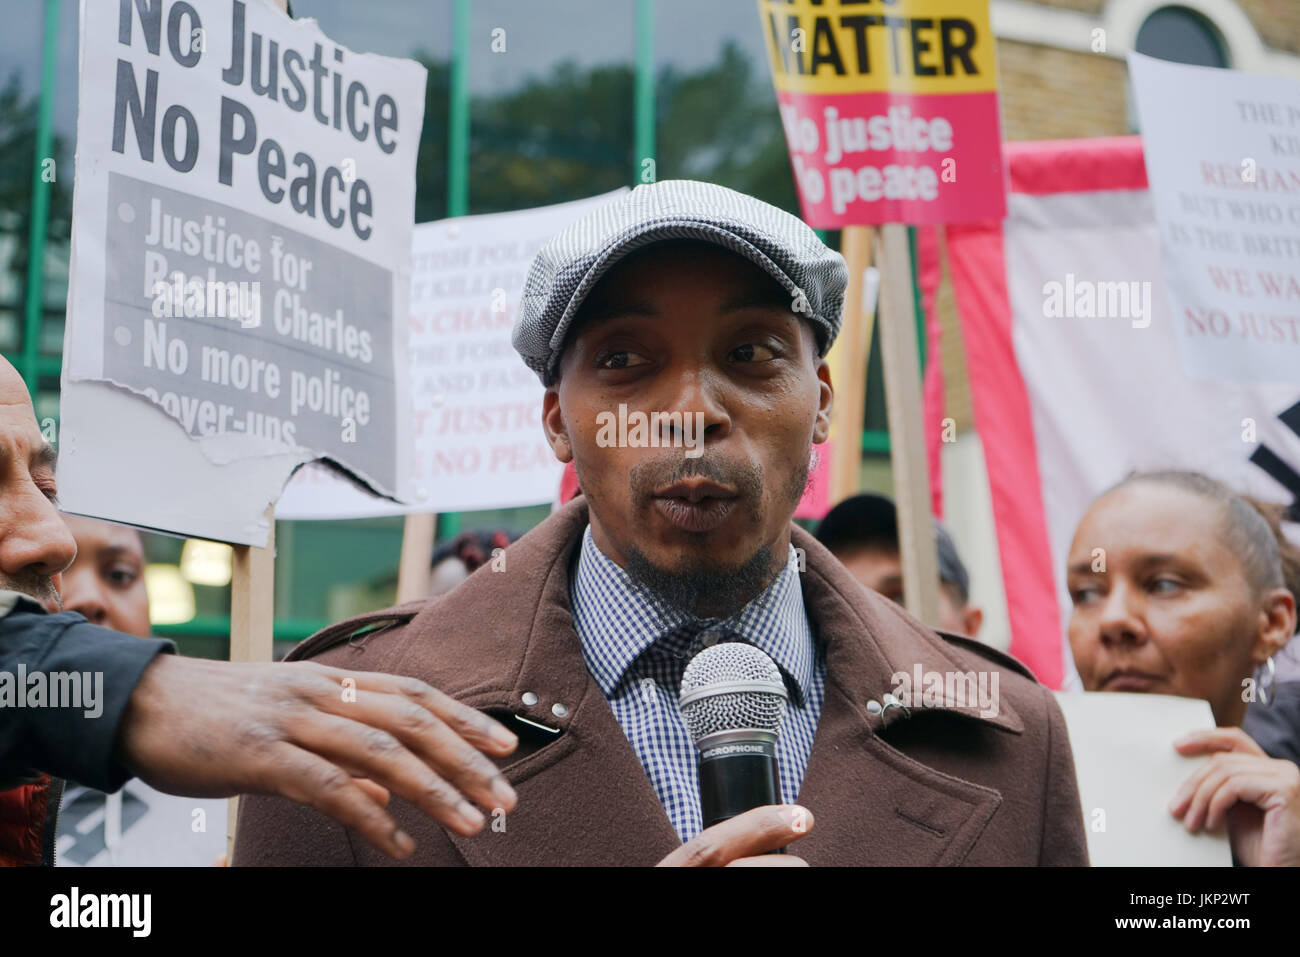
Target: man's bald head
(35,544)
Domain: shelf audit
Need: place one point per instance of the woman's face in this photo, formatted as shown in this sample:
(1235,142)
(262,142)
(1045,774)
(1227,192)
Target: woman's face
(1161,605)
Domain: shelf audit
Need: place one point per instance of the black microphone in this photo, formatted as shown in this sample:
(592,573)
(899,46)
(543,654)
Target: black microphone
(732,700)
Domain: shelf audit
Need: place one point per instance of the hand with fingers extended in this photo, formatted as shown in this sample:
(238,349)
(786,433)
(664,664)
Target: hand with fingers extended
(1258,797)
(214,729)
(747,840)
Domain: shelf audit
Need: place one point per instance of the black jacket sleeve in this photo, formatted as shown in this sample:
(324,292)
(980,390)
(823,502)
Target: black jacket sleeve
(39,656)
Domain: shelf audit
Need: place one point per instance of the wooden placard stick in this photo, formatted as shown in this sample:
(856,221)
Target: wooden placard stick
(252,621)
(417,551)
(900,359)
(848,362)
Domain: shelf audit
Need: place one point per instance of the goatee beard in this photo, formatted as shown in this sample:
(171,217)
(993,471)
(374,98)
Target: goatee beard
(699,588)
(704,590)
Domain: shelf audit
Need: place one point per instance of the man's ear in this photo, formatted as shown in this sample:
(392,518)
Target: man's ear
(826,400)
(557,433)
(1277,624)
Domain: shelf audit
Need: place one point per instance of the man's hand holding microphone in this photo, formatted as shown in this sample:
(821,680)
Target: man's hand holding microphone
(733,699)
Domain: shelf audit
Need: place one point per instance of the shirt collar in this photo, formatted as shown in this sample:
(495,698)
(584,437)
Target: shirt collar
(618,620)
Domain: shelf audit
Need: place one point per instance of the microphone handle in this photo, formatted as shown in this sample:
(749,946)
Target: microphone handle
(731,784)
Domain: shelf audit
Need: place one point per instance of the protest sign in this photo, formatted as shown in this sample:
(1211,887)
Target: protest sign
(477,438)
(241,241)
(1069,404)
(890,110)
(891,116)
(1223,157)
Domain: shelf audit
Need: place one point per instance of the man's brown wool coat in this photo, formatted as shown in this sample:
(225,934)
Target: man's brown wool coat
(942,786)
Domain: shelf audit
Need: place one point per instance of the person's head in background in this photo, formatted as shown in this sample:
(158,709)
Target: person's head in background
(35,545)
(1177,588)
(456,558)
(862,532)
(106,580)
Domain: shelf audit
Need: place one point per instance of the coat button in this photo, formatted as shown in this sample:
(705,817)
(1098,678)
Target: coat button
(559,710)
(530,699)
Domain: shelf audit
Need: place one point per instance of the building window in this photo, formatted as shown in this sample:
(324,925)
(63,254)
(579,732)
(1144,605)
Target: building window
(1183,36)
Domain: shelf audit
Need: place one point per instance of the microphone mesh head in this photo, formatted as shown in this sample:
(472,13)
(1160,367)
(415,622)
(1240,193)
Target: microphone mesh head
(711,701)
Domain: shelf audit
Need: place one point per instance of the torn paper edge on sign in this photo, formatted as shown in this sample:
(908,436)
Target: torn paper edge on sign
(118,462)
(223,448)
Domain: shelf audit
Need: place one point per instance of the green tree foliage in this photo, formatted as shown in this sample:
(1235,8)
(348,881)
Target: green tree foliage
(431,161)
(721,124)
(571,134)
(561,138)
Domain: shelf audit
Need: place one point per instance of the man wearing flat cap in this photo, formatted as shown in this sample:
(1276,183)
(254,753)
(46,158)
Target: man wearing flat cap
(708,314)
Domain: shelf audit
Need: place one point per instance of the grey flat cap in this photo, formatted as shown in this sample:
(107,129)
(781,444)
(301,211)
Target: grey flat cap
(568,267)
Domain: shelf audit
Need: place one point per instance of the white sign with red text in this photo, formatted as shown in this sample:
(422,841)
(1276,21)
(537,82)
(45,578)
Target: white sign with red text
(1223,157)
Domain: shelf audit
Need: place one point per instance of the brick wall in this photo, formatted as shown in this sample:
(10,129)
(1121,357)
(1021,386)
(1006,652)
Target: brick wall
(1276,21)
(1048,93)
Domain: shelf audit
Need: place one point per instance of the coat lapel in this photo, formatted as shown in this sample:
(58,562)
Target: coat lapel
(872,804)
(875,806)
(584,798)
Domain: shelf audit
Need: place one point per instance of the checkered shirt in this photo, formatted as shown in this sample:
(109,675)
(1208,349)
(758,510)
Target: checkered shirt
(637,648)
